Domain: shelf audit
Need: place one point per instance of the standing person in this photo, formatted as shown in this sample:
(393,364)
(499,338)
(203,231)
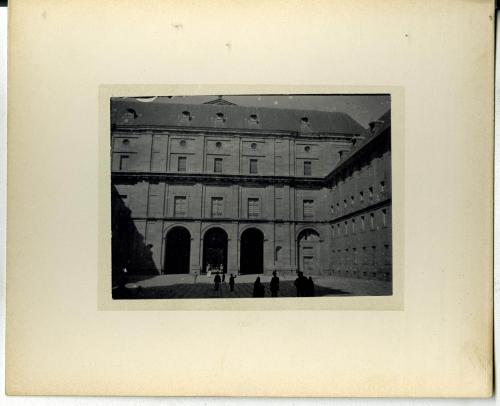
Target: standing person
(231,282)
(310,287)
(223,279)
(275,285)
(299,284)
(195,276)
(217,281)
(258,288)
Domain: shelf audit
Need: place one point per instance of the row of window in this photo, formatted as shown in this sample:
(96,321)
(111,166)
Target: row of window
(182,165)
(361,197)
(216,207)
(253,207)
(361,223)
(364,255)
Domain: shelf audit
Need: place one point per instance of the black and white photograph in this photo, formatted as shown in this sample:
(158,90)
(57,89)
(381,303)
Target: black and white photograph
(251,196)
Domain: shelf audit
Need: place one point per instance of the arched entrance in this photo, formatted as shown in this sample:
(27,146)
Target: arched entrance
(177,251)
(308,251)
(252,251)
(215,250)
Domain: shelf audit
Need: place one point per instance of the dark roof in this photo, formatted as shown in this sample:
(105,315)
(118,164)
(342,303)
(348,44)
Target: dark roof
(128,112)
(369,136)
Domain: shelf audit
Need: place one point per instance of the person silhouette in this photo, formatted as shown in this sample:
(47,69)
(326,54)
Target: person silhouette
(275,285)
(217,281)
(301,284)
(258,288)
(231,282)
(310,287)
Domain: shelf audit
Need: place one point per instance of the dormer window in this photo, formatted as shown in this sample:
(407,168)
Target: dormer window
(131,113)
(220,116)
(186,115)
(304,120)
(254,119)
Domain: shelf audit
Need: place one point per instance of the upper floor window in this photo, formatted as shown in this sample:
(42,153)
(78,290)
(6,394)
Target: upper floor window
(124,159)
(308,209)
(382,187)
(384,217)
(180,205)
(352,200)
(372,221)
(253,166)
(361,196)
(370,191)
(307,168)
(181,164)
(217,209)
(253,208)
(254,119)
(218,165)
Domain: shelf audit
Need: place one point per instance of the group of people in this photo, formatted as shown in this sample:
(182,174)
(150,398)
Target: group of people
(303,285)
(219,281)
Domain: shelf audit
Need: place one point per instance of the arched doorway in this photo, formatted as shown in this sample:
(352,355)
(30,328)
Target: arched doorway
(308,251)
(177,251)
(215,250)
(252,251)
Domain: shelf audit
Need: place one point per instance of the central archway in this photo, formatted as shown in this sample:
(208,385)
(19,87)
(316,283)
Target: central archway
(177,251)
(252,251)
(215,250)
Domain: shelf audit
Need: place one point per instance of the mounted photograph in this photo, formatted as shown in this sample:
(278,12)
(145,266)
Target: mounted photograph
(251,196)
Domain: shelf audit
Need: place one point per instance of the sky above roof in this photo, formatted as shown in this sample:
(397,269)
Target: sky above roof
(362,108)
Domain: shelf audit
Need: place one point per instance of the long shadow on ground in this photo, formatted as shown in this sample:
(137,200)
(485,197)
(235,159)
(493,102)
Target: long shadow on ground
(206,291)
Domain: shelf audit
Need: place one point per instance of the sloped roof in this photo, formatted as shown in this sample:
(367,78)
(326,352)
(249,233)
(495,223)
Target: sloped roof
(231,117)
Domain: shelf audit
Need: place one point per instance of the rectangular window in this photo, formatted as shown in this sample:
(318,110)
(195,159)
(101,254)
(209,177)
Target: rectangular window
(253,208)
(307,168)
(308,209)
(181,164)
(372,221)
(382,187)
(253,166)
(370,191)
(180,204)
(352,200)
(384,217)
(217,207)
(353,226)
(362,223)
(361,197)
(218,165)
(124,162)
(345,203)
(346,228)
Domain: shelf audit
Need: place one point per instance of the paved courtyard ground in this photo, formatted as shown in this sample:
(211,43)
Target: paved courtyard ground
(185,287)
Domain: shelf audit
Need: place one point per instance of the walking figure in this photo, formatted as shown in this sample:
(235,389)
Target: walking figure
(275,285)
(258,288)
(231,282)
(217,281)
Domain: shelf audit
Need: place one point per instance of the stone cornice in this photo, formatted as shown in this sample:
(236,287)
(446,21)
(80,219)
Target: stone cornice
(217,178)
(236,132)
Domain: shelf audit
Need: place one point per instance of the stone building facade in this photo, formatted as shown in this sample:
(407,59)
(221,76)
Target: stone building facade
(248,190)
